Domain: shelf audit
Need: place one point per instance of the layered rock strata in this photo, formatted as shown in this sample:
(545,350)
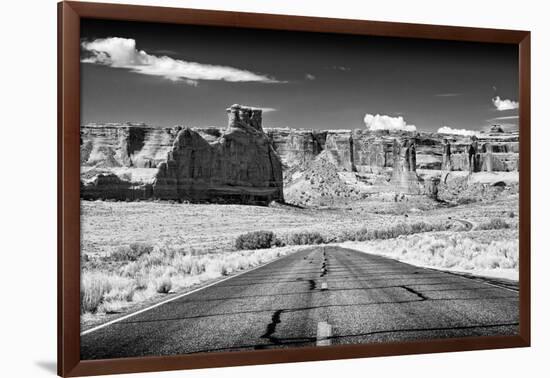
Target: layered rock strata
(369,151)
(404,178)
(234,165)
(375,160)
(242,163)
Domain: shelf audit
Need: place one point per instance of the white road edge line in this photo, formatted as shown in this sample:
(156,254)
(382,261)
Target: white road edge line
(481,280)
(456,274)
(96,328)
(324,332)
(472,277)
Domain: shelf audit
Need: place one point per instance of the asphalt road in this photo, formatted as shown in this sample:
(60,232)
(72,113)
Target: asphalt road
(322,296)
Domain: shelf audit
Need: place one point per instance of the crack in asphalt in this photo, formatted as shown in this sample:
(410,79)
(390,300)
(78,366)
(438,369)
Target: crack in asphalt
(303,340)
(324,268)
(276,317)
(368,304)
(411,290)
(272,327)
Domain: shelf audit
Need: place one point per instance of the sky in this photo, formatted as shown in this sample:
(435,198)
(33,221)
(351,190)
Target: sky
(165,75)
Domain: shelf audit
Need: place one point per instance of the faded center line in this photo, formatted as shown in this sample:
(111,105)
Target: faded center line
(324,329)
(324,332)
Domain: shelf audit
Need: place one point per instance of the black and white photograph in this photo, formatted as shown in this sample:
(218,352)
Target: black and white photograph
(246,189)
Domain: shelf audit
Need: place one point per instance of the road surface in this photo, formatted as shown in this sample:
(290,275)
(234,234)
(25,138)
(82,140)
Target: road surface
(320,296)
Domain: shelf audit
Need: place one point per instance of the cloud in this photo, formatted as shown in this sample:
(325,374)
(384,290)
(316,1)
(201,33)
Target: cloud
(384,122)
(449,130)
(193,83)
(503,118)
(502,104)
(122,53)
(448,94)
(341,68)
(263,109)
(310,77)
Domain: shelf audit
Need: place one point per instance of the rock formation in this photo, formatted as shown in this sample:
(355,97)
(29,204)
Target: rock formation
(125,145)
(340,146)
(404,178)
(371,151)
(243,163)
(496,129)
(238,166)
(473,156)
(431,187)
(366,159)
(446,156)
(295,146)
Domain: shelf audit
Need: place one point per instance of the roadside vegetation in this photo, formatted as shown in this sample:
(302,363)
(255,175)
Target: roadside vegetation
(306,238)
(494,224)
(457,251)
(257,240)
(138,272)
(267,239)
(391,232)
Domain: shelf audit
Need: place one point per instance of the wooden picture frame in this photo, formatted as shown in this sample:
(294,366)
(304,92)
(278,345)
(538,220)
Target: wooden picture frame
(69,16)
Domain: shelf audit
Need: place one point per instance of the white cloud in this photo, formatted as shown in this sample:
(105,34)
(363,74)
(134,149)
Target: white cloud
(449,130)
(267,110)
(503,118)
(503,104)
(263,109)
(122,53)
(310,77)
(341,68)
(384,122)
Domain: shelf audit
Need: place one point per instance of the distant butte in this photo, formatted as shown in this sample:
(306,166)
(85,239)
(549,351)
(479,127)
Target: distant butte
(232,165)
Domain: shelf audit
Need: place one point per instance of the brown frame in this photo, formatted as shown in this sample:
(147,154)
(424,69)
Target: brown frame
(69,15)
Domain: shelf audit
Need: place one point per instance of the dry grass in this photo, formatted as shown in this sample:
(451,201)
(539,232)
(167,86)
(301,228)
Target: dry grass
(98,288)
(214,228)
(267,239)
(163,284)
(391,232)
(108,286)
(131,252)
(484,250)
(493,224)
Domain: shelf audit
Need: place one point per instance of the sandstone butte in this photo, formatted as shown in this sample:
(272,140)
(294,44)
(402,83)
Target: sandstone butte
(244,163)
(132,161)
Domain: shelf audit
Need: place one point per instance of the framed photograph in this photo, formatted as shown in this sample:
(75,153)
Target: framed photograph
(240,188)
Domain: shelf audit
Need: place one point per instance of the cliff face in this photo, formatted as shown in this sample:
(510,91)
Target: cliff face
(370,151)
(235,165)
(243,164)
(297,146)
(404,177)
(380,161)
(125,145)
